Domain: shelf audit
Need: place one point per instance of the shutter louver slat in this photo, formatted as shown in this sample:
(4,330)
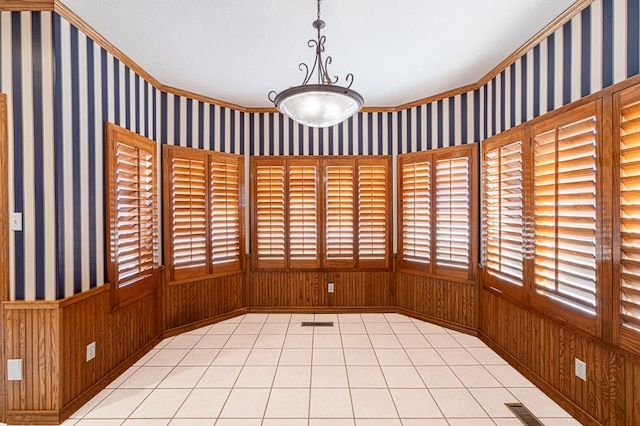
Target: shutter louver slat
(372,210)
(303,220)
(416,212)
(135,228)
(503,212)
(340,213)
(270,213)
(452,192)
(225,213)
(189,206)
(629,216)
(565,213)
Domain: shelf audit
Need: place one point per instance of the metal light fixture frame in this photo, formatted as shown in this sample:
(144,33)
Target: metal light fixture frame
(325,84)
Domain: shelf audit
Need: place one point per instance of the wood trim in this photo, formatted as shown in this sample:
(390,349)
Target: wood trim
(69,15)
(32,417)
(562,19)
(325,310)
(202,323)
(26,5)
(62,10)
(438,321)
(4,243)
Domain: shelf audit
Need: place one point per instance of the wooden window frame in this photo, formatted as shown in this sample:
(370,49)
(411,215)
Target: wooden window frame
(321,262)
(209,270)
(145,285)
(469,151)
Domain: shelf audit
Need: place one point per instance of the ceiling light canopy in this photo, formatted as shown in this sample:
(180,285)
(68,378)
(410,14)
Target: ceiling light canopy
(322,104)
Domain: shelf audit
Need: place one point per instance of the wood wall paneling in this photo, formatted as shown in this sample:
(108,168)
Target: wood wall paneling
(308,289)
(202,301)
(450,303)
(545,351)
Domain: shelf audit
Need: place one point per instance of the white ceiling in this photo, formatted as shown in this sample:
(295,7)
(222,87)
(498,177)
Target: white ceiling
(239,50)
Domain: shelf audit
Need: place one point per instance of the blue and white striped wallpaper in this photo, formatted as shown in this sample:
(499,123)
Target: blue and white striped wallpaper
(62,87)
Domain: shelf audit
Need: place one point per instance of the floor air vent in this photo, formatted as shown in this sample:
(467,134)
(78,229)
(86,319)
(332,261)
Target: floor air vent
(523,414)
(317,324)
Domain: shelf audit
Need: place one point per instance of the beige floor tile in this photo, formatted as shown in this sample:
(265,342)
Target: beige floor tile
(349,318)
(400,328)
(385,341)
(378,328)
(352,328)
(254,318)
(395,318)
(119,404)
(439,377)
(457,356)
(146,377)
(508,376)
(278,319)
(264,357)
(298,341)
(442,341)
(493,400)
(295,357)
(413,341)
(269,341)
(328,357)
(392,357)
(366,377)
(146,422)
(245,403)
(292,376)
(330,403)
(424,357)
(199,357)
(219,377)
(203,403)
(373,403)
(192,422)
(284,422)
(183,377)
(256,377)
(167,357)
(457,403)
(275,328)
(329,377)
(538,403)
(222,328)
(374,318)
(486,356)
(402,377)
(286,403)
(212,341)
(327,341)
(415,403)
(475,376)
(161,404)
(241,341)
(231,357)
(183,341)
(356,341)
(360,356)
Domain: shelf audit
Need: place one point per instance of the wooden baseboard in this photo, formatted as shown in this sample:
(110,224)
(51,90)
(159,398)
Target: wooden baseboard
(325,310)
(202,323)
(573,409)
(33,418)
(438,321)
(86,396)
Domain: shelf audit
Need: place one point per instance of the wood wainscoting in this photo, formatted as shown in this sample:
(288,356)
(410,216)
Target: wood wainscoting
(449,303)
(187,306)
(544,351)
(307,290)
(51,339)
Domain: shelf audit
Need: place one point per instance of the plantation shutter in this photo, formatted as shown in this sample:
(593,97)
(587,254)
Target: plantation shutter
(452,215)
(188,200)
(339,214)
(225,213)
(565,209)
(270,215)
(416,212)
(303,214)
(629,285)
(135,234)
(372,213)
(503,212)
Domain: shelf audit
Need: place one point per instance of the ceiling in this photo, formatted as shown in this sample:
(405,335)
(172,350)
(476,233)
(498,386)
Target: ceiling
(238,51)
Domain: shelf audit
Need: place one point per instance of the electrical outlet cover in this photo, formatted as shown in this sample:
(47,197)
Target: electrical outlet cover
(91,351)
(14,369)
(581,369)
(330,287)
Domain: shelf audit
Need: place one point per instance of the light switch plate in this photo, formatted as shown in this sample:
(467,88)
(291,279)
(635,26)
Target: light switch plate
(15,222)
(14,369)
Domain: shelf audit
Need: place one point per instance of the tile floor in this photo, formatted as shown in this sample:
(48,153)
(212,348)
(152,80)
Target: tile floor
(369,369)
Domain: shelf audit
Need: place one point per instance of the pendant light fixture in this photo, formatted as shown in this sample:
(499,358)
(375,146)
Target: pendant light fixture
(322,104)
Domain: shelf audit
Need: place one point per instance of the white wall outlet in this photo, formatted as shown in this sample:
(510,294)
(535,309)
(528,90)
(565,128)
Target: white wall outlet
(15,222)
(91,351)
(581,369)
(330,287)
(14,369)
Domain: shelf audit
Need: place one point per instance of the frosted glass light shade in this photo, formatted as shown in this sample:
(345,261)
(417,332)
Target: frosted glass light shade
(319,105)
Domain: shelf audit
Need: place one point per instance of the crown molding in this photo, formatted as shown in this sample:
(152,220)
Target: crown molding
(58,7)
